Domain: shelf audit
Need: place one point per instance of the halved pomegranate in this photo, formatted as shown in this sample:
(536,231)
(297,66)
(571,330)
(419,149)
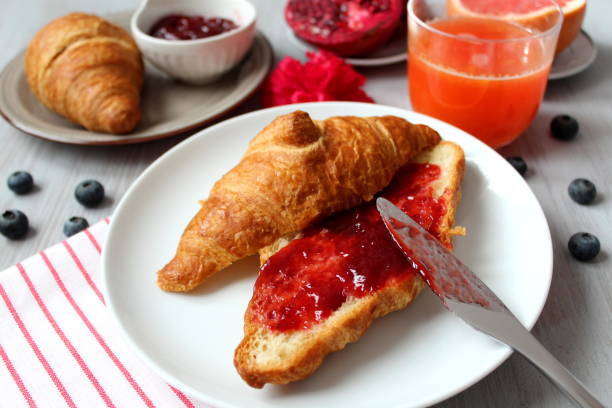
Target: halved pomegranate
(345,27)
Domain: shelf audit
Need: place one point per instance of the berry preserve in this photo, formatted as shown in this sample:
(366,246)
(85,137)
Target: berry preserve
(182,27)
(348,255)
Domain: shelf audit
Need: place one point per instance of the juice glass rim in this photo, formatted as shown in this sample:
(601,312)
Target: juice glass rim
(555,27)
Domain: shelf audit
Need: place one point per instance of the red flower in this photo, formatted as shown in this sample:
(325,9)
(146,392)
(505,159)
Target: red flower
(324,77)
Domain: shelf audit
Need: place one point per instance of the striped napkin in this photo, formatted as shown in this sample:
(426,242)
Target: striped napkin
(58,346)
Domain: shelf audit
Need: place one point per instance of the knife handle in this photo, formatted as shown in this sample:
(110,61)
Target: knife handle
(502,325)
(520,339)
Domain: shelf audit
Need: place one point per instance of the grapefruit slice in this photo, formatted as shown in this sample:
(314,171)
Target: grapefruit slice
(528,12)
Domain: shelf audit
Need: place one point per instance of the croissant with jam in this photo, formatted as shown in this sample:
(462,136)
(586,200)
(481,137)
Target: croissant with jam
(87,70)
(295,171)
(321,289)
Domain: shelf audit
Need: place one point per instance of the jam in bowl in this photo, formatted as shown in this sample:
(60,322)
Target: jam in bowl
(218,45)
(182,27)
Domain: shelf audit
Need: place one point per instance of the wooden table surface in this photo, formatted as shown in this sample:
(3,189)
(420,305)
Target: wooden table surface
(576,324)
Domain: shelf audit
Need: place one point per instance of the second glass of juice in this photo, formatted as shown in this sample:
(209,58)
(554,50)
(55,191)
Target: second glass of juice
(483,71)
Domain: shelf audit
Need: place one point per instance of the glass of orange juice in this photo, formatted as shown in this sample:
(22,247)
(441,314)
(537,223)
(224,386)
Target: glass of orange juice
(481,65)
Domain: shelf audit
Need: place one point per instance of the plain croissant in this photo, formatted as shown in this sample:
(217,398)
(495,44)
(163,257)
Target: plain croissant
(87,70)
(294,172)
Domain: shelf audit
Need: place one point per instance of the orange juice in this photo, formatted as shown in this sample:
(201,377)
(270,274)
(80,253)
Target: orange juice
(491,89)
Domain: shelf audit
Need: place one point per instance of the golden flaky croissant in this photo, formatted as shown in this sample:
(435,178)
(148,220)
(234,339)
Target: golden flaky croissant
(294,171)
(88,70)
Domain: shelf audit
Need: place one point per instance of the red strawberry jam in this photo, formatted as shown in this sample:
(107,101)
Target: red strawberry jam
(349,254)
(180,27)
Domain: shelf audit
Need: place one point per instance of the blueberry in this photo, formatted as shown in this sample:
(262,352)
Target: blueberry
(74,225)
(584,246)
(519,164)
(564,127)
(89,193)
(582,191)
(14,224)
(20,182)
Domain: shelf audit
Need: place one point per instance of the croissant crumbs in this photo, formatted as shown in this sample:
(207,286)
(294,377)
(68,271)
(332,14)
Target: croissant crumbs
(87,70)
(295,171)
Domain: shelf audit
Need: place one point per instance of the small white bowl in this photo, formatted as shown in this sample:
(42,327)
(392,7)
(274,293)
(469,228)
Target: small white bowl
(195,61)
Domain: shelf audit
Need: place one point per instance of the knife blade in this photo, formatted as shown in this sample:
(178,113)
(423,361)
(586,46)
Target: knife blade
(463,293)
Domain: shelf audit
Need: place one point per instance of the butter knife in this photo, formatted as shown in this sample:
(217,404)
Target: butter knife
(468,297)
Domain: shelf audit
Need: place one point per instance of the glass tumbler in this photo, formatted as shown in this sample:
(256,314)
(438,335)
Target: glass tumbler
(481,66)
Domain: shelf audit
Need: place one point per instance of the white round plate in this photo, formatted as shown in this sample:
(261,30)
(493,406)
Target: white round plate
(168,107)
(411,358)
(574,59)
(391,53)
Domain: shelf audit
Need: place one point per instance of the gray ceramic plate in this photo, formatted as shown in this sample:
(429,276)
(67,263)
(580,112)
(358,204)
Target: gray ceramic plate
(574,59)
(168,107)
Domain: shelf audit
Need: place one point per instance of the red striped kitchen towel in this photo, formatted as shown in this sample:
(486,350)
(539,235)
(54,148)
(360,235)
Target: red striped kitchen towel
(57,344)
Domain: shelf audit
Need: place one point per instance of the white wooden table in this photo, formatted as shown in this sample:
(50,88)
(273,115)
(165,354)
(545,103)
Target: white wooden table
(576,324)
